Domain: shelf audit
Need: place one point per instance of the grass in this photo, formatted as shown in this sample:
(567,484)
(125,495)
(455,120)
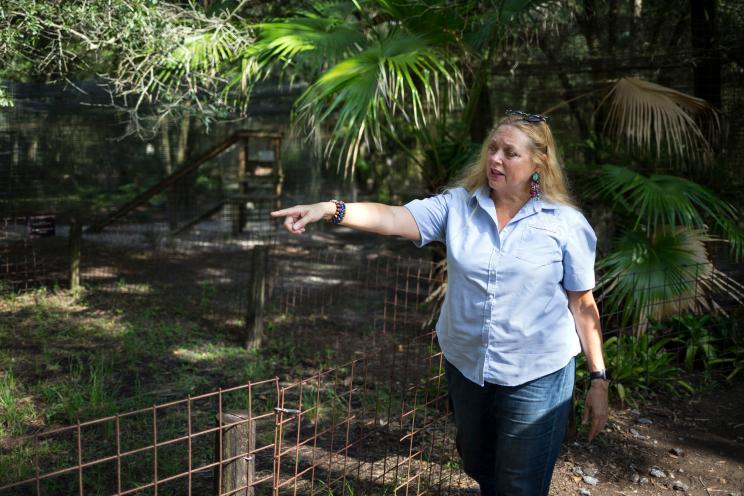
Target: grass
(104,354)
(87,391)
(66,358)
(17,411)
(126,344)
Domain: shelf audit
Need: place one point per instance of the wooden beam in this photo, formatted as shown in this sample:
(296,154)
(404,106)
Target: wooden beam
(167,181)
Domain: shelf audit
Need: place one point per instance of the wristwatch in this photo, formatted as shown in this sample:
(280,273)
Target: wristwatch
(603,374)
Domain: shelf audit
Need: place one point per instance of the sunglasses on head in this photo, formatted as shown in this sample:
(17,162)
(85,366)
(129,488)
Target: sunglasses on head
(528,117)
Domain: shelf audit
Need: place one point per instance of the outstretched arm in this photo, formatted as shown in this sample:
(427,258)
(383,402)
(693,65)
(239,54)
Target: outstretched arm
(372,217)
(586,315)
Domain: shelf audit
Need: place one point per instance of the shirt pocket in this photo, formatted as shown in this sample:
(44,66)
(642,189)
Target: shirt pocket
(539,247)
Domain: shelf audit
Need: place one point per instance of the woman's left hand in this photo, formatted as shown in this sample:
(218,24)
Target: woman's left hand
(596,409)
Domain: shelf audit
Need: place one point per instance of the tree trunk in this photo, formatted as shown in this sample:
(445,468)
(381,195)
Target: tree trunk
(168,170)
(707,72)
(184,188)
(636,18)
(483,119)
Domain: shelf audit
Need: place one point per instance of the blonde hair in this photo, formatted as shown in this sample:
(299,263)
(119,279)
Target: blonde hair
(553,182)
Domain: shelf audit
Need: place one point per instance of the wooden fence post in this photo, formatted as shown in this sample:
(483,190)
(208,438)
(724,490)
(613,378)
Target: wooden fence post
(75,242)
(237,441)
(240,215)
(256,298)
(278,172)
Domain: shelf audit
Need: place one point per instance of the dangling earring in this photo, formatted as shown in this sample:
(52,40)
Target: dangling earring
(535,191)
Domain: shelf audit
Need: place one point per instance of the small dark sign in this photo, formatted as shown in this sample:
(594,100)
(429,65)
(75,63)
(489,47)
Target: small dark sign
(41,225)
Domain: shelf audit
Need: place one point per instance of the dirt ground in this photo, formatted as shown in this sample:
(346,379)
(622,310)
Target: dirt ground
(689,445)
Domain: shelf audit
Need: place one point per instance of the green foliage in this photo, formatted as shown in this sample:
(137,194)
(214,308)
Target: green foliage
(379,66)
(304,43)
(659,265)
(5,100)
(702,338)
(14,462)
(661,201)
(643,272)
(641,365)
(445,153)
(257,367)
(395,77)
(730,347)
(17,411)
(657,360)
(734,358)
(148,51)
(84,392)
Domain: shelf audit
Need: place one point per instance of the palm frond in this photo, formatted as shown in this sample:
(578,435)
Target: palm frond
(499,19)
(203,53)
(439,19)
(310,40)
(660,274)
(396,76)
(659,200)
(653,117)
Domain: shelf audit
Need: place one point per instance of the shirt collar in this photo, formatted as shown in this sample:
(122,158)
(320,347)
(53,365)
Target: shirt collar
(482,195)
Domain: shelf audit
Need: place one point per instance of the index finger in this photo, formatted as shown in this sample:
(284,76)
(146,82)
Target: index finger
(598,423)
(284,211)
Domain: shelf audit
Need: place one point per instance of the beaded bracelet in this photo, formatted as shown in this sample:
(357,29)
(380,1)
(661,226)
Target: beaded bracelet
(340,211)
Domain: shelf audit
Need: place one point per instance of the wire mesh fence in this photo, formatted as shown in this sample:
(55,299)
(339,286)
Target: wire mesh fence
(377,424)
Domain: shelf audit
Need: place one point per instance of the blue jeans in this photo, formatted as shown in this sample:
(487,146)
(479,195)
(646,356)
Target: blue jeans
(509,436)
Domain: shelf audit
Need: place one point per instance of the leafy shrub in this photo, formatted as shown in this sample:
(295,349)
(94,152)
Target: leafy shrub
(640,366)
(703,341)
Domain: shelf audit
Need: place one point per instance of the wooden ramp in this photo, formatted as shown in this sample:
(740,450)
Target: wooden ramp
(263,172)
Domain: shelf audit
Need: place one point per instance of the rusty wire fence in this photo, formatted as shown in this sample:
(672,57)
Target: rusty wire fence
(373,420)
(375,425)
(357,428)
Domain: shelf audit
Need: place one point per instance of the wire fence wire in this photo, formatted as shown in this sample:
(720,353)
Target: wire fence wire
(376,424)
(354,428)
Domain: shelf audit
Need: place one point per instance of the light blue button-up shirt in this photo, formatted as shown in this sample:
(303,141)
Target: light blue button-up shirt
(505,317)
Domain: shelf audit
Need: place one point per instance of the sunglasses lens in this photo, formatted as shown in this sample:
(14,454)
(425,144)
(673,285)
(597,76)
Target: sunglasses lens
(528,117)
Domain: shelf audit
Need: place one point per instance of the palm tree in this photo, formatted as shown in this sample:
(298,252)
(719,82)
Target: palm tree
(388,72)
(410,74)
(659,264)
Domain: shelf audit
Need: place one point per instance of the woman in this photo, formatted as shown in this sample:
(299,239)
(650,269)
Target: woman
(519,304)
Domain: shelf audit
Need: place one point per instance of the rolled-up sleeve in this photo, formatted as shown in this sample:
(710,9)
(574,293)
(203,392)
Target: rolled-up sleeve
(578,255)
(430,215)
